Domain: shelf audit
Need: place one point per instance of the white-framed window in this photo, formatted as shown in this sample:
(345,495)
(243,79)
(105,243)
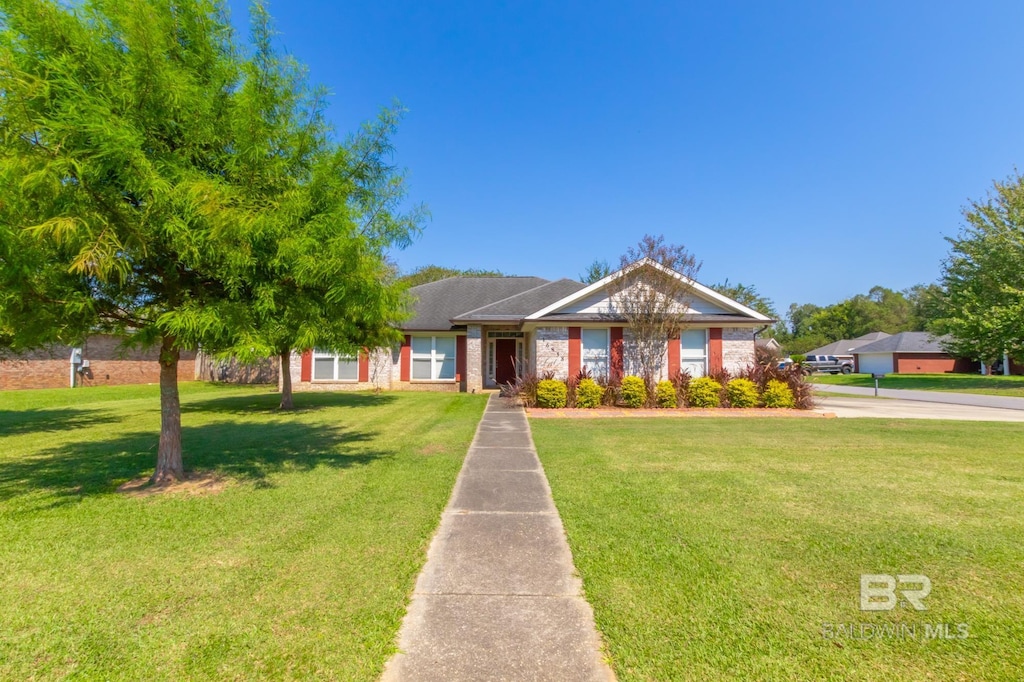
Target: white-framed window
(693,351)
(594,351)
(433,358)
(331,367)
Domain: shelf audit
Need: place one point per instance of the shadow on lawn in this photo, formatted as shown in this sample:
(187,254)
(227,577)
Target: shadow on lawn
(237,448)
(21,422)
(268,402)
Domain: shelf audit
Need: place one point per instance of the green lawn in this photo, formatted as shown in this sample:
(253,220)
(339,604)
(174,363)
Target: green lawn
(299,568)
(962,383)
(720,549)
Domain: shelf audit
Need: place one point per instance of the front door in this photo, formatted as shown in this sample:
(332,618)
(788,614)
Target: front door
(504,360)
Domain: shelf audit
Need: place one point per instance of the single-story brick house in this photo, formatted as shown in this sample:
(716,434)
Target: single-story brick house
(471,333)
(101,360)
(909,353)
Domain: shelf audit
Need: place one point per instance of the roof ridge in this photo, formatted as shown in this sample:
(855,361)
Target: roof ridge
(507,298)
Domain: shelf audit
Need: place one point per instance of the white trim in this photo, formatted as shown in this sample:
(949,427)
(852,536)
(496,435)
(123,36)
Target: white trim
(706,292)
(337,360)
(435,363)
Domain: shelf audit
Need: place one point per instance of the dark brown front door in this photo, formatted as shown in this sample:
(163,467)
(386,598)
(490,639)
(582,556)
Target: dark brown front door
(504,360)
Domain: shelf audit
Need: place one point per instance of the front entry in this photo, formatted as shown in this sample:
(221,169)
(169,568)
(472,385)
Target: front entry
(504,361)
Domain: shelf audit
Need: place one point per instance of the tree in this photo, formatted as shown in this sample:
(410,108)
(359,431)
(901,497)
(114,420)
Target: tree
(325,215)
(595,272)
(653,296)
(983,278)
(748,296)
(433,273)
(117,116)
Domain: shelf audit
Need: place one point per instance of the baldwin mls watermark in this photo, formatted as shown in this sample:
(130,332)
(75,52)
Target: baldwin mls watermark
(883,592)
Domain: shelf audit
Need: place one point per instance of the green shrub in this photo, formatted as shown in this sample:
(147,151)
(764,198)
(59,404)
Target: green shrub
(552,393)
(797,358)
(778,394)
(742,393)
(588,394)
(634,392)
(665,394)
(704,392)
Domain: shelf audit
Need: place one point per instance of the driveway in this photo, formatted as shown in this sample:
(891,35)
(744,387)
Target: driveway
(974,399)
(892,408)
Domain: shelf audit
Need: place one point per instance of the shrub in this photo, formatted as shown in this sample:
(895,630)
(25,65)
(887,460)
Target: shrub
(742,393)
(705,392)
(612,387)
(681,381)
(588,394)
(634,392)
(766,369)
(797,358)
(777,394)
(665,394)
(552,393)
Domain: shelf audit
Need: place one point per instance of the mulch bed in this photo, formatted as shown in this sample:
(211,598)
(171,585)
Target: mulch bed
(617,412)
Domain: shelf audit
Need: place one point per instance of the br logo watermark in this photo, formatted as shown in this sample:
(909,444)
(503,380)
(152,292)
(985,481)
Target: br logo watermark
(878,591)
(883,592)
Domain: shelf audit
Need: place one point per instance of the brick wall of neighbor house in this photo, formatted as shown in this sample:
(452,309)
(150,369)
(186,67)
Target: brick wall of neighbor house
(737,348)
(551,350)
(109,365)
(931,363)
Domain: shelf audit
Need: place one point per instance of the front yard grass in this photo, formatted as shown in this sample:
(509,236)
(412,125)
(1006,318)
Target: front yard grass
(726,549)
(1012,386)
(299,567)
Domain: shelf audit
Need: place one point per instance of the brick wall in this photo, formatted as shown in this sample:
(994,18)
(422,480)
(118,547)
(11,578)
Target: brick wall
(109,365)
(931,363)
(737,348)
(551,351)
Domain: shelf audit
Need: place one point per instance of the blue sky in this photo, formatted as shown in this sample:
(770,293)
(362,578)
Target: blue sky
(811,149)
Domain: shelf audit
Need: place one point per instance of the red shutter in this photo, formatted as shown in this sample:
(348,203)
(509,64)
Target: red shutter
(306,374)
(364,366)
(673,356)
(574,351)
(715,349)
(460,358)
(405,358)
(616,352)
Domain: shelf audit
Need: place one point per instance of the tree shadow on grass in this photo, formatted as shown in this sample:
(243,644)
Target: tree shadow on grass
(20,422)
(236,448)
(268,402)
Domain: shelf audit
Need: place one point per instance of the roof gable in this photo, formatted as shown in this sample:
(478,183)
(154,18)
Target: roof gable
(596,298)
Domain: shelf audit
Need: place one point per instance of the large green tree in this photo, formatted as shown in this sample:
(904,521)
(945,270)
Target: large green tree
(983,277)
(748,295)
(433,273)
(116,122)
(324,215)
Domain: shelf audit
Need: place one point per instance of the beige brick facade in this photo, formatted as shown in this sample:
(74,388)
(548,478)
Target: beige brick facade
(737,348)
(551,351)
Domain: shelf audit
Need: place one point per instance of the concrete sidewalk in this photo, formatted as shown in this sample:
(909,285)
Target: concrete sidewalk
(894,408)
(499,598)
(973,399)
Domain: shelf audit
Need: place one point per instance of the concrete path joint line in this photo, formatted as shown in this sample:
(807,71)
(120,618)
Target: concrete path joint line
(499,598)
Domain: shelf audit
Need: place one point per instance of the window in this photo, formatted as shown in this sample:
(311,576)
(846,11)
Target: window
(693,353)
(433,358)
(330,367)
(594,351)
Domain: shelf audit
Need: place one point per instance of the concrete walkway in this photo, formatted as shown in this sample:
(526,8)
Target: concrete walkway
(499,598)
(974,399)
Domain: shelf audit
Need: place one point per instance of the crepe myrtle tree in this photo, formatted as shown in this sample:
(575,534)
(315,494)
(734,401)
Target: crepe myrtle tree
(653,295)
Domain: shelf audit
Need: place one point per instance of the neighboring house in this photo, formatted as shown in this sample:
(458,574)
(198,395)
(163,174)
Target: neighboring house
(909,353)
(769,344)
(101,360)
(847,346)
(474,333)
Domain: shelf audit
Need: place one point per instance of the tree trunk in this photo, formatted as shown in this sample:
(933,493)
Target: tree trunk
(286,380)
(168,457)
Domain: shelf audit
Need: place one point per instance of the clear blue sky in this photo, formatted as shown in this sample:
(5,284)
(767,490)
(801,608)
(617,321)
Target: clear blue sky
(812,149)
